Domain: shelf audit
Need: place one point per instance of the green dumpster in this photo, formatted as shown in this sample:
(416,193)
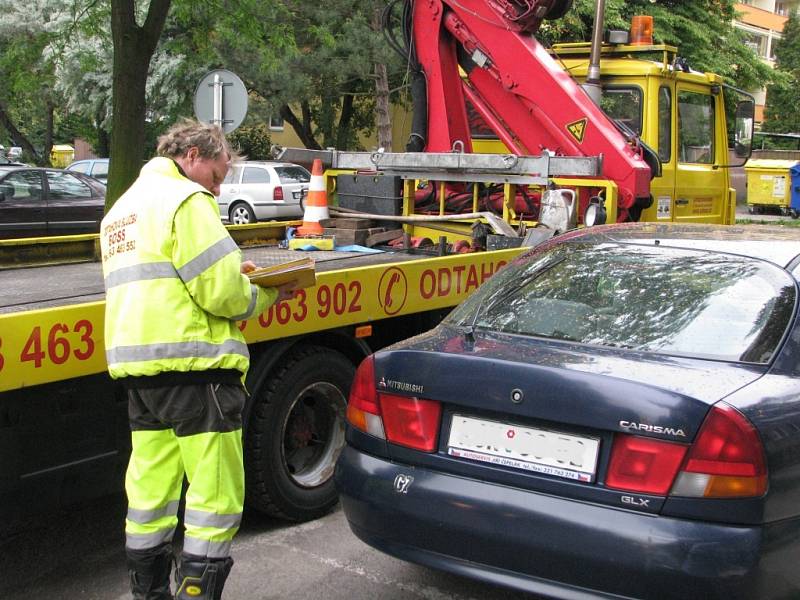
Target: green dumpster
(769,185)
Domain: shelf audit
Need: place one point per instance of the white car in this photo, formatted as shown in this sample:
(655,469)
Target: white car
(260,190)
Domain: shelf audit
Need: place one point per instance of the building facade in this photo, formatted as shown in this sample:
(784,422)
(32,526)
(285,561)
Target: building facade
(762,22)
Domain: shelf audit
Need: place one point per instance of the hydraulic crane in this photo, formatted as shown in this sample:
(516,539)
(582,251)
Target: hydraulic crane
(528,100)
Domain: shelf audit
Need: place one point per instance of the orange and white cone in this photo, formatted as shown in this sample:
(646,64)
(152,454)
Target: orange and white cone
(316,203)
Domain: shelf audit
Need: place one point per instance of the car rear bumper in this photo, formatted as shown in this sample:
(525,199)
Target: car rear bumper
(557,547)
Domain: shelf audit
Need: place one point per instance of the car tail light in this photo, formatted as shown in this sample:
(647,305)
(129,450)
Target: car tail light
(402,420)
(363,409)
(643,465)
(277,193)
(725,461)
(411,422)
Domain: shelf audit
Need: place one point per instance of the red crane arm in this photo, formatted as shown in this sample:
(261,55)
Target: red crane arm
(526,98)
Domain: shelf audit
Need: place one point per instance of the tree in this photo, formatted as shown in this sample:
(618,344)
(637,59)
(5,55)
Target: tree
(27,100)
(134,46)
(317,65)
(782,113)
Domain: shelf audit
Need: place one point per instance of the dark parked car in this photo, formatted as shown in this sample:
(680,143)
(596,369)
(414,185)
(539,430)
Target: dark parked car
(36,202)
(615,414)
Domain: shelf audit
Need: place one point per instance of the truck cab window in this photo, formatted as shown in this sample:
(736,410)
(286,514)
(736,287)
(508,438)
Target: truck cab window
(696,127)
(664,124)
(624,105)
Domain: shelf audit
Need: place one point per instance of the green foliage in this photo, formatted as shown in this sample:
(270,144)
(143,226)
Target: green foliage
(782,113)
(252,143)
(314,60)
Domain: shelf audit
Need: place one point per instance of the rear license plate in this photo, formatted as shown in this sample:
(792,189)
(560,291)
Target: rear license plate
(527,448)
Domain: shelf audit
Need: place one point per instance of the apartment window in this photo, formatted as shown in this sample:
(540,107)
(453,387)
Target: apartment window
(757,42)
(276,123)
(781,9)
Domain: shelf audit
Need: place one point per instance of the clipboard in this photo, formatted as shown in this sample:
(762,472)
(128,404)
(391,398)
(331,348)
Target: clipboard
(300,270)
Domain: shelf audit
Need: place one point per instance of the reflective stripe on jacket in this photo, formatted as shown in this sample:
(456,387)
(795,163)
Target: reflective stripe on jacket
(174,289)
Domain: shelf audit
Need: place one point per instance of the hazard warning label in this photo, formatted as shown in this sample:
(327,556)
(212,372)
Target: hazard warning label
(578,129)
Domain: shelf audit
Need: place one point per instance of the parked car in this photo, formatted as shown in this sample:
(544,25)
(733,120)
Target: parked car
(36,202)
(614,414)
(10,156)
(260,191)
(94,167)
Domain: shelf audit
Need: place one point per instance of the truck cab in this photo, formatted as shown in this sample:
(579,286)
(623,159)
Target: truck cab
(677,112)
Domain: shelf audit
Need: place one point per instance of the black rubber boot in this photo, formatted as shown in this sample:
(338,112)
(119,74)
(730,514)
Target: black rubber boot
(149,571)
(201,578)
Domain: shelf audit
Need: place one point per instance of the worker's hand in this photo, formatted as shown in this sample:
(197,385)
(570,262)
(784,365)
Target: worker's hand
(248,266)
(286,291)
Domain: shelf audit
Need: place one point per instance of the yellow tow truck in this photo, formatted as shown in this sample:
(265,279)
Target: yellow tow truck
(63,421)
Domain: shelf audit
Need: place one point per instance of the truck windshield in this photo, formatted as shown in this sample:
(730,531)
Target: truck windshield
(624,105)
(664,300)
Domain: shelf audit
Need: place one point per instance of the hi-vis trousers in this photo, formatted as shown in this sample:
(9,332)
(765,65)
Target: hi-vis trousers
(194,430)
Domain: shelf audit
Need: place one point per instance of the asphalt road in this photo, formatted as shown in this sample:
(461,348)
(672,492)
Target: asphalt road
(78,555)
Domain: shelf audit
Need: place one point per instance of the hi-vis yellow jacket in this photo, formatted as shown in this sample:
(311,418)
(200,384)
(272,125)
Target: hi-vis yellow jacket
(174,289)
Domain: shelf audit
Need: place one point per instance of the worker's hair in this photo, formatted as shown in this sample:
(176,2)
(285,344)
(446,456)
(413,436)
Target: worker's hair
(209,140)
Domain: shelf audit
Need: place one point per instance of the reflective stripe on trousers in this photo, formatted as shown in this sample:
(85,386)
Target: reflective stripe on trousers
(193,429)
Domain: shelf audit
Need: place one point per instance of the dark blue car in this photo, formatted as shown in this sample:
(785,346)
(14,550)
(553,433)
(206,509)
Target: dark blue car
(615,414)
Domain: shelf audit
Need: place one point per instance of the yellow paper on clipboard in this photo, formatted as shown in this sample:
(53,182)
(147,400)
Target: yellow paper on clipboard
(300,270)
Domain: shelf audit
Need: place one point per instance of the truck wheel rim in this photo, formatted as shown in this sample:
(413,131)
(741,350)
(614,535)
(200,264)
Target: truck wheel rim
(313,434)
(240,216)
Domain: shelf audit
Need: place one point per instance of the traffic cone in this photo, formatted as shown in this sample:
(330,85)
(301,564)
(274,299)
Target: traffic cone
(316,203)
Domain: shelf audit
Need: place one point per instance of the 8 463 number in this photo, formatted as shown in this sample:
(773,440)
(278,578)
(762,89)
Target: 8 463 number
(56,346)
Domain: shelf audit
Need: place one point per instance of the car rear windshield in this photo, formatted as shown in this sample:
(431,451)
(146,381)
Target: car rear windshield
(293,174)
(654,299)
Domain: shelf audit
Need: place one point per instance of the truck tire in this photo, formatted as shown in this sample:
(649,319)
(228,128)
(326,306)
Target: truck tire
(295,434)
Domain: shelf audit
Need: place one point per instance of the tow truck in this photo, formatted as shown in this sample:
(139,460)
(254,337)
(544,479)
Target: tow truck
(63,422)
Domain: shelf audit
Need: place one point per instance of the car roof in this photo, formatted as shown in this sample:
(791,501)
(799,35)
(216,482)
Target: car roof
(776,244)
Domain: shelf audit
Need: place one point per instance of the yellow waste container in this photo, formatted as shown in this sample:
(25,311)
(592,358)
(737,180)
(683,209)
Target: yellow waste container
(61,155)
(769,185)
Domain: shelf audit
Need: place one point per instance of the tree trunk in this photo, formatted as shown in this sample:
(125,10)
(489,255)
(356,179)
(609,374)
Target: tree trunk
(133,50)
(383,116)
(103,143)
(299,128)
(345,119)
(48,132)
(17,137)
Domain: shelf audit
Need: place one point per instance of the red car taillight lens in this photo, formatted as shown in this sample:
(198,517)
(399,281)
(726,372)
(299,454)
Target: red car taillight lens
(411,422)
(643,465)
(363,410)
(725,461)
(277,193)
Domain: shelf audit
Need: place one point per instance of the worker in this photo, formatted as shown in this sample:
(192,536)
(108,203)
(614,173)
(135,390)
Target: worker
(175,289)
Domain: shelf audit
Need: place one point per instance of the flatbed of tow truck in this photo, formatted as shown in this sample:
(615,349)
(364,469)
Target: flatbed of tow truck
(50,286)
